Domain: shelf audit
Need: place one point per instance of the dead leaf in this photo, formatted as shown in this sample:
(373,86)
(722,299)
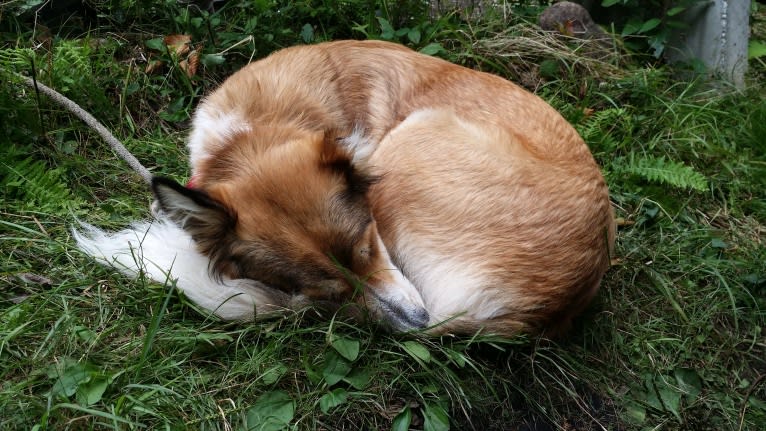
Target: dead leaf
(153,66)
(178,44)
(190,64)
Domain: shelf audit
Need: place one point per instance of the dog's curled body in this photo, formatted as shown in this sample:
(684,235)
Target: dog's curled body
(456,199)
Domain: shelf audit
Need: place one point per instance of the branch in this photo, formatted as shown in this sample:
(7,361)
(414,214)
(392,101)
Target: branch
(94,124)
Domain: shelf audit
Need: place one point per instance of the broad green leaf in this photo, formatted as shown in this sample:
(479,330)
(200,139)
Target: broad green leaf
(414,35)
(675,10)
(607,3)
(756,49)
(332,399)
(632,26)
(435,418)
(670,397)
(208,60)
(386,30)
(90,392)
(402,420)
(155,44)
(273,374)
(417,350)
(689,382)
(272,411)
(457,358)
(431,49)
(358,378)
(347,347)
(335,368)
(70,379)
(401,32)
(649,25)
(635,413)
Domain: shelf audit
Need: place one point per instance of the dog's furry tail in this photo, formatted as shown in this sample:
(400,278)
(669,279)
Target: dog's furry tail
(162,252)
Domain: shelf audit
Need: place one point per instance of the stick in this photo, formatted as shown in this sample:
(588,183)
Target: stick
(91,121)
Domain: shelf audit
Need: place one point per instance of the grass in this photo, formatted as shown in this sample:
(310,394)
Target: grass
(674,340)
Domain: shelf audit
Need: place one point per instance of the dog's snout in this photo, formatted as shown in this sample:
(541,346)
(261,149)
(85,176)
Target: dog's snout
(404,317)
(420,318)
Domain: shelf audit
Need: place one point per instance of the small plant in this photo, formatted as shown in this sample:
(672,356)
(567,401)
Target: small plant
(648,24)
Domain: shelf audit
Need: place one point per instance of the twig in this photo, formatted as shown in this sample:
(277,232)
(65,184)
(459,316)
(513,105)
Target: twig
(750,391)
(94,124)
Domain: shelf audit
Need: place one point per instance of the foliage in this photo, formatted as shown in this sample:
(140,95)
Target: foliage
(648,24)
(675,339)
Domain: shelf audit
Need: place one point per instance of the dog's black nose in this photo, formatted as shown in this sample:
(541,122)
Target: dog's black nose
(420,318)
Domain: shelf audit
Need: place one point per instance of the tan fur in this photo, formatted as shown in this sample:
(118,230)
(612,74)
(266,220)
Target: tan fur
(483,179)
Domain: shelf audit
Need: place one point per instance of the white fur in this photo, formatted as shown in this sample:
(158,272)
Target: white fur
(449,287)
(164,252)
(358,145)
(211,130)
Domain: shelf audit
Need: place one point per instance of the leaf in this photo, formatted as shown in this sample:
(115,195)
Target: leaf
(335,368)
(212,59)
(414,35)
(155,44)
(386,30)
(658,169)
(358,378)
(635,412)
(649,25)
(70,379)
(457,358)
(403,420)
(671,399)
(178,44)
(347,347)
(332,399)
(756,49)
(273,374)
(435,418)
(417,350)
(90,392)
(607,3)
(689,382)
(632,26)
(431,49)
(273,411)
(307,33)
(675,10)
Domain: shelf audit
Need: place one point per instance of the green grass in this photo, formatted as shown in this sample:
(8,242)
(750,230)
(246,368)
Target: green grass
(674,340)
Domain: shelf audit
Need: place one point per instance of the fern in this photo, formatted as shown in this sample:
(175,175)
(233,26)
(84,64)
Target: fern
(30,184)
(16,58)
(661,170)
(596,129)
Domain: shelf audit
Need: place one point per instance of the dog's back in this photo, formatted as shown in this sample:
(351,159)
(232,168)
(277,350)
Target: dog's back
(493,235)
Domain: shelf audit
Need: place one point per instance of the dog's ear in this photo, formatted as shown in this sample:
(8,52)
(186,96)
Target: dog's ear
(337,156)
(192,210)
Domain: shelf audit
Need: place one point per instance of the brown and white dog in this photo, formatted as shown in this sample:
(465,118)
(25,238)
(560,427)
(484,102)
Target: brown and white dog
(435,195)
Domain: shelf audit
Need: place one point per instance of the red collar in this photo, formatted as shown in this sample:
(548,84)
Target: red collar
(192,184)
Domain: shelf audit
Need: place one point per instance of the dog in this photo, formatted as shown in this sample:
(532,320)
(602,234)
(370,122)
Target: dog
(437,197)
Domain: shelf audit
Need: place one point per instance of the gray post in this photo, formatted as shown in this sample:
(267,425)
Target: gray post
(718,36)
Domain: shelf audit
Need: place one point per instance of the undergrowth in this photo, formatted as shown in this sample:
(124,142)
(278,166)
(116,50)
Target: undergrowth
(674,340)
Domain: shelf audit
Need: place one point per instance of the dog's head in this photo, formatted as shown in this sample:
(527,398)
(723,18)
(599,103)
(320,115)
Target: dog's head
(293,215)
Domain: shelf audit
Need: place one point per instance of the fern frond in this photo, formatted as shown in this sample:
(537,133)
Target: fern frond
(596,130)
(661,170)
(16,58)
(31,182)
